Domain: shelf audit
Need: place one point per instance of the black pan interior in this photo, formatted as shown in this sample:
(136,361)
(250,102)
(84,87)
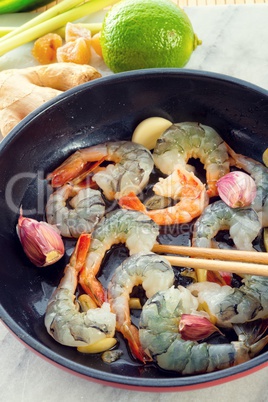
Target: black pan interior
(103,110)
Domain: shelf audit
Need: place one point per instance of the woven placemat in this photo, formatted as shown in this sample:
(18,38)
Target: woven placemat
(190,3)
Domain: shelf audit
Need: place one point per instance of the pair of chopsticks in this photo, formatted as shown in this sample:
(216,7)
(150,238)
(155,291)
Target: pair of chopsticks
(236,261)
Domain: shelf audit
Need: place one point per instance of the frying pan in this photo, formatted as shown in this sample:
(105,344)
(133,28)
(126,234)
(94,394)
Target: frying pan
(103,110)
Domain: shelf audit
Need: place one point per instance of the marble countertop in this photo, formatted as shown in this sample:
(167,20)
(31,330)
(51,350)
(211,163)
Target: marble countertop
(235,42)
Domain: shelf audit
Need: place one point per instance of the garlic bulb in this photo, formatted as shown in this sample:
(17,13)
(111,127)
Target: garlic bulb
(195,328)
(237,189)
(41,242)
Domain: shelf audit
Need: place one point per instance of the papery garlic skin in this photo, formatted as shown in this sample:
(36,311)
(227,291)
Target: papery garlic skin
(195,328)
(237,189)
(41,242)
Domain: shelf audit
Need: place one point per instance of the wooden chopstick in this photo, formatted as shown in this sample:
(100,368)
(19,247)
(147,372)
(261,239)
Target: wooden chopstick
(238,261)
(221,254)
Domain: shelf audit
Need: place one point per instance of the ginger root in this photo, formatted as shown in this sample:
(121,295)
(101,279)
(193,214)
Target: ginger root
(23,90)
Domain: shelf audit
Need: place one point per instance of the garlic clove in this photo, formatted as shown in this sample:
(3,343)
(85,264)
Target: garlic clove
(41,242)
(196,327)
(265,157)
(149,130)
(265,238)
(237,189)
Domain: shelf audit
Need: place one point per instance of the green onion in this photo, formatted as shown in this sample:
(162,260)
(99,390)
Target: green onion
(52,24)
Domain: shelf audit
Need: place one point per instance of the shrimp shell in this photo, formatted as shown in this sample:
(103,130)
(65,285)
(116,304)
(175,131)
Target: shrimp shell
(160,337)
(259,173)
(132,228)
(131,172)
(79,215)
(230,305)
(181,185)
(184,140)
(151,271)
(130,169)
(63,321)
(243,224)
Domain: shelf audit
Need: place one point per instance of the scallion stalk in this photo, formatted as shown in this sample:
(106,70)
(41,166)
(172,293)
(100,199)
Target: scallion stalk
(52,24)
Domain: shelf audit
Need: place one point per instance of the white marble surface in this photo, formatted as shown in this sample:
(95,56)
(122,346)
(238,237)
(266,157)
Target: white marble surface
(235,42)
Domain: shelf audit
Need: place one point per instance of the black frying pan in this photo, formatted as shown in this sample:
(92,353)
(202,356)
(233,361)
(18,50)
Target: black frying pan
(108,109)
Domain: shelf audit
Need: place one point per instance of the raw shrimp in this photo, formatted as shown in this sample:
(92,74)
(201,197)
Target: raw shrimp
(77,215)
(228,304)
(243,224)
(150,270)
(259,173)
(63,321)
(160,337)
(234,305)
(133,228)
(131,171)
(182,185)
(186,140)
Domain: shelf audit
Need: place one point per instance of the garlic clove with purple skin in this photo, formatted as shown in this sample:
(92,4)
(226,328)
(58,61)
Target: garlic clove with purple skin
(40,241)
(237,189)
(195,327)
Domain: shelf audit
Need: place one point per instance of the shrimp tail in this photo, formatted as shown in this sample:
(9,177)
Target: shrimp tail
(131,201)
(212,190)
(92,287)
(258,346)
(68,170)
(252,331)
(85,179)
(244,352)
(78,257)
(73,167)
(131,333)
(184,211)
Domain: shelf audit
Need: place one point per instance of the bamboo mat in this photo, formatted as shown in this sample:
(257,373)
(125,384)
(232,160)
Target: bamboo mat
(191,3)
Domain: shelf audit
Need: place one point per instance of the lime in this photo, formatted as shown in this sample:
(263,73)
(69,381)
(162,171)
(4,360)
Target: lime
(140,34)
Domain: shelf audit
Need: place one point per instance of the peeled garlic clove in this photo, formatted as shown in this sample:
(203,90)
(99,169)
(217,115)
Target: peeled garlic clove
(265,238)
(98,347)
(149,130)
(86,302)
(265,157)
(41,242)
(196,328)
(237,189)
